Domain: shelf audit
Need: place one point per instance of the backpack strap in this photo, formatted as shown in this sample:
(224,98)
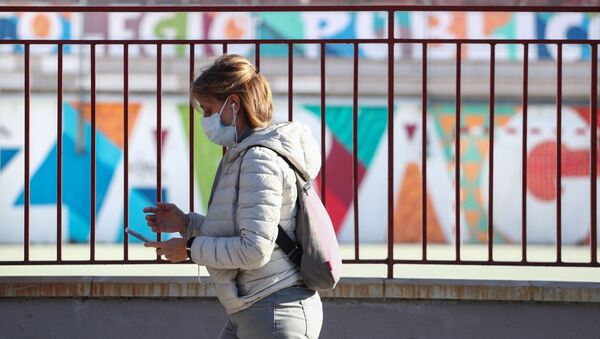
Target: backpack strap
(292,249)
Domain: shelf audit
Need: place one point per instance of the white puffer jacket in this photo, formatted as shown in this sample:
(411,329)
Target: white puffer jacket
(236,243)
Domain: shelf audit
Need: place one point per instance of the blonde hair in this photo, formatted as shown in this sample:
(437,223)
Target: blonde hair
(233,74)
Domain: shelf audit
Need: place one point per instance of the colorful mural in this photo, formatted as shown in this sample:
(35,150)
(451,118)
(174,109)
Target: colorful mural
(372,151)
(308,25)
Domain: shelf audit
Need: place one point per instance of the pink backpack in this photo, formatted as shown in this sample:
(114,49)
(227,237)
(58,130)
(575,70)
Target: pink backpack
(316,250)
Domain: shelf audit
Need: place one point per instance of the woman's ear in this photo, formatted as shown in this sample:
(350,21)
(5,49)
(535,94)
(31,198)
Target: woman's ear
(235,102)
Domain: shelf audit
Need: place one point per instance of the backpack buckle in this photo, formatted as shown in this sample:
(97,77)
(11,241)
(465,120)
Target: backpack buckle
(306,187)
(295,255)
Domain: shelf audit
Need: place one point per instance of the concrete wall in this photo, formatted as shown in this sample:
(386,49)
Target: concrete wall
(175,307)
(344,318)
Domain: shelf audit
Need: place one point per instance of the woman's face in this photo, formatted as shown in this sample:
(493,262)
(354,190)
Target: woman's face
(212,106)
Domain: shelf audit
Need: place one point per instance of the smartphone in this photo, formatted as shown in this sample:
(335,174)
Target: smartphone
(136,234)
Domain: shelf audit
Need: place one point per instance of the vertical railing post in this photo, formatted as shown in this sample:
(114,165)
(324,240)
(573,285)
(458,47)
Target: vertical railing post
(125,150)
(524,153)
(323,128)
(27,153)
(594,148)
(491,158)
(59,148)
(93,154)
(424,152)
(390,123)
(457,152)
(559,154)
(290,81)
(355,151)
(191,122)
(158,130)
(257,56)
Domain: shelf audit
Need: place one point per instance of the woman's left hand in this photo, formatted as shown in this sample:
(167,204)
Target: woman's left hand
(172,249)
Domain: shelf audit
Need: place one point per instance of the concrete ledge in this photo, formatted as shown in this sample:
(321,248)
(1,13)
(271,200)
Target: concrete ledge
(348,288)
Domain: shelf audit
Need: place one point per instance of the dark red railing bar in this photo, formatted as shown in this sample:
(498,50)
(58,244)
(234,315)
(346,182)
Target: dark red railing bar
(345,261)
(125,150)
(59,147)
(559,153)
(524,153)
(224,52)
(191,121)
(257,56)
(323,127)
(491,158)
(594,141)
(158,130)
(390,123)
(457,151)
(355,151)
(27,154)
(93,153)
(290,82)
(292,41)
(300,8)
(424,152)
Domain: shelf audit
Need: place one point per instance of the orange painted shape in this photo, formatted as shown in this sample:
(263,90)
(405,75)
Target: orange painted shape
(471,171)
(432,21)
(408,211)
(494,20)
(232,30)
(41,25)
(458,25)
(472,217)
(501,121)
(447,122)
(464,144)
(484,146)
(463,194)
(478,197)
(109,119)
(474,120)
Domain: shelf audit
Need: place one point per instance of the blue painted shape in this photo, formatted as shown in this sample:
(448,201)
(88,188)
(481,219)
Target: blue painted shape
(76,176)
(8,28)
(138,199)
(6,156)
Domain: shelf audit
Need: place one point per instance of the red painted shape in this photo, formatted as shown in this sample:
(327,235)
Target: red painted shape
(584,112)
(541,168)
(339,182)
(163,138)
(410,130)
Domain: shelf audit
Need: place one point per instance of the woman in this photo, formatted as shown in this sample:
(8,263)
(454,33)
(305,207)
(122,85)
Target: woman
(253,192)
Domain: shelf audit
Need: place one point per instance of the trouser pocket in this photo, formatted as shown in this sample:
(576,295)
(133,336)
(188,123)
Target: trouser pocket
(256,322)
(313,314)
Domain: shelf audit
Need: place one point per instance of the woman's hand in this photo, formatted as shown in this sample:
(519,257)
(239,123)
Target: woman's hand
(165,217)
(172,249)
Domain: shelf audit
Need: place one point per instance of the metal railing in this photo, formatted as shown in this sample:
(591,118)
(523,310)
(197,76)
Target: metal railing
(391,40)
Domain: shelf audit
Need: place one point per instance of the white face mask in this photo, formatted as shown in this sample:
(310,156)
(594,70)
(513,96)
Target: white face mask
(217,132)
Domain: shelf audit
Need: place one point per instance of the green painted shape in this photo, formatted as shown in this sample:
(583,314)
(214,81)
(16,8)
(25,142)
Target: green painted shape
(372,122)
(177,22)
(207,154)
(287,25)
(472,154)
(470,203)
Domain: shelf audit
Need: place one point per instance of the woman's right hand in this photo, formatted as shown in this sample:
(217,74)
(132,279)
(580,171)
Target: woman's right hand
(165,217)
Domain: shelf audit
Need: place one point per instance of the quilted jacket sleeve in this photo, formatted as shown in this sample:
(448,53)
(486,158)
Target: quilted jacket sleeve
(258,213)
(193,224)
